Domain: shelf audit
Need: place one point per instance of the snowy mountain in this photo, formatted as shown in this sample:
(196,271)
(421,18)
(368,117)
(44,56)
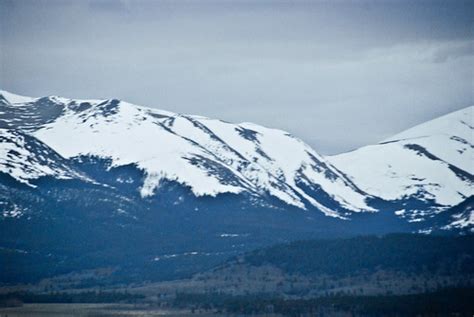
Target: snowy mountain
(416,174)
(431,164)
(86,184)
(209,156)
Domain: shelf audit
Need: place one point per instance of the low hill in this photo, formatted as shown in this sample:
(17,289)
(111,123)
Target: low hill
(367,265)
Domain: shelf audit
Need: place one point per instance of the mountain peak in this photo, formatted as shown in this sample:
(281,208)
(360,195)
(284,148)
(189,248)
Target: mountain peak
(429,163)
(458,123)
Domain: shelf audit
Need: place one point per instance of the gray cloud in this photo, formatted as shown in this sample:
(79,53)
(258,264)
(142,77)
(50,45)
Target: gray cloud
(336,74)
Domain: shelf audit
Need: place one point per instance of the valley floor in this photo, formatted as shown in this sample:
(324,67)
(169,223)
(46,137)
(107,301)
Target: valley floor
(395,275)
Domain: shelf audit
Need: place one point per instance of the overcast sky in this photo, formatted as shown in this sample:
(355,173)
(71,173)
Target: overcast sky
(336,74)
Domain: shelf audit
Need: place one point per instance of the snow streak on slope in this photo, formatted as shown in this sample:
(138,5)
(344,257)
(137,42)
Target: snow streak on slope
(210,156)
(432,161)
(463,220)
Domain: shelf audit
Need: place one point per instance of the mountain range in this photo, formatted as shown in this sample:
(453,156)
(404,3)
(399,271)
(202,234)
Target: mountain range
(107,175)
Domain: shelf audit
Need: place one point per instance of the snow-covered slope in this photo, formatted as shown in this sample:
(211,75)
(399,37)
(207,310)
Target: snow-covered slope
(433,162)
(25,158)
(209,156)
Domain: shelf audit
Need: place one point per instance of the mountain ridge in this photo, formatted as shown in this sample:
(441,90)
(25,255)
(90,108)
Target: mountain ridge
(213,146)
(420,172)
